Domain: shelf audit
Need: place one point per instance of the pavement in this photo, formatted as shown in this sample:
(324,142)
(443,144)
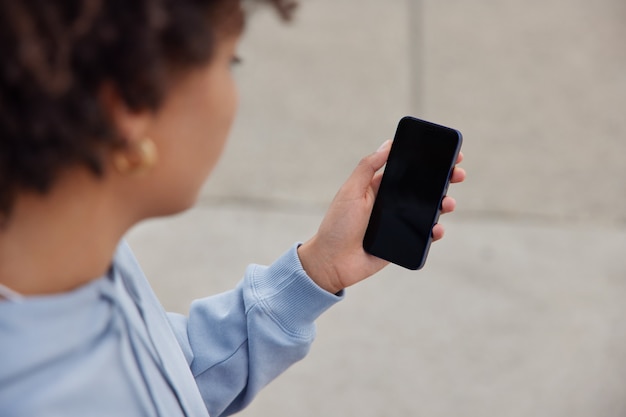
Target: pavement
(521,309)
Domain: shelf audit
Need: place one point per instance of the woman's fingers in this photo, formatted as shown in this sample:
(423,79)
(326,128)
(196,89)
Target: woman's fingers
(448,205)
(458,175)
(438,232)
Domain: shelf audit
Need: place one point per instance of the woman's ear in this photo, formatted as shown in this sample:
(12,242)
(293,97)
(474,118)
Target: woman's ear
(130,125)
(137,154)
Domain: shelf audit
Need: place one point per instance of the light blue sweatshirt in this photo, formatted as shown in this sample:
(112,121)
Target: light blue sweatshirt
(109,349)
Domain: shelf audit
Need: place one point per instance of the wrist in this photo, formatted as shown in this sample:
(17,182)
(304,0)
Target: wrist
(317,267)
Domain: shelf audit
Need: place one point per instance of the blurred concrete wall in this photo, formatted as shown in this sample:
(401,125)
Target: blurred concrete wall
(520,310)
(540,89)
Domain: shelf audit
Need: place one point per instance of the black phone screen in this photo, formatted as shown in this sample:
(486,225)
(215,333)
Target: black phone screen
(414,183)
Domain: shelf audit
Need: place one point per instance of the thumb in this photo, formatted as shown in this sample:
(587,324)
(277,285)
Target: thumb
(363,174)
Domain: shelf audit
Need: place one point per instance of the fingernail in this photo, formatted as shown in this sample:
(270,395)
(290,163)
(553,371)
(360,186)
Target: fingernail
(384,146)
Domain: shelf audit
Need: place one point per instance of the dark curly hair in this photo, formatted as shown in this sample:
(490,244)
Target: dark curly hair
(55,56)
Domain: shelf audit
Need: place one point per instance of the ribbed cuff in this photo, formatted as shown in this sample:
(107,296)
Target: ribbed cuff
(289,296)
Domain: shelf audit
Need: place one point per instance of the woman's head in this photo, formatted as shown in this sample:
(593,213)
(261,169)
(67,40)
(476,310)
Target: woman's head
(68,67)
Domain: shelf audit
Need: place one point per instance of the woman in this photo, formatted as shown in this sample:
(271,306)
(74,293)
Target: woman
(112,112)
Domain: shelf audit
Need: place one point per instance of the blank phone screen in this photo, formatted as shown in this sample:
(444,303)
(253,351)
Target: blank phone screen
(414,183)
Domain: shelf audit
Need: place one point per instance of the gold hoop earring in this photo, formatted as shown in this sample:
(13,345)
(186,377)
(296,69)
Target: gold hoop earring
(138,157)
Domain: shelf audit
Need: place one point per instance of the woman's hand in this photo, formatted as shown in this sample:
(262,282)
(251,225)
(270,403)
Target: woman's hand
(334,258)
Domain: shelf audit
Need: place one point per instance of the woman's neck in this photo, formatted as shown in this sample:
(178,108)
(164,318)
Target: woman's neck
(63,240)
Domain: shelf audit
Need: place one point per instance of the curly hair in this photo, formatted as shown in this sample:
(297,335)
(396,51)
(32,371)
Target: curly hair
(56,55)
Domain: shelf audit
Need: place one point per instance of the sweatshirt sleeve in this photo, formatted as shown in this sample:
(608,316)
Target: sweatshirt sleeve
(237,342)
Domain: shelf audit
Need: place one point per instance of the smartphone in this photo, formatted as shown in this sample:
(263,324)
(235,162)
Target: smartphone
(414,183)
